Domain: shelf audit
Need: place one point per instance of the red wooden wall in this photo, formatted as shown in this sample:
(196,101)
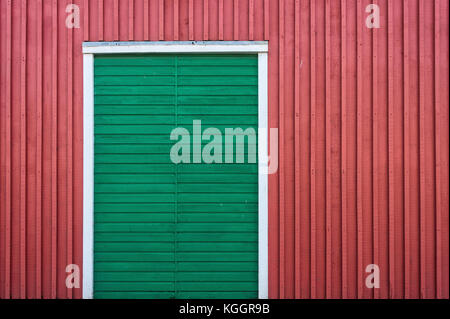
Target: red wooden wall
(363,116)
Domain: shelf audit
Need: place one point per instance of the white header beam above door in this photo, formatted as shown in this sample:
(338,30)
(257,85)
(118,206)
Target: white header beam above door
(175,47)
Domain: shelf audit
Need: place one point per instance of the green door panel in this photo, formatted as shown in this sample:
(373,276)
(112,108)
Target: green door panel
(165,230)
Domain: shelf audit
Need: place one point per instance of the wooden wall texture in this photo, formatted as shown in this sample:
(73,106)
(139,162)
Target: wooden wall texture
(363,118)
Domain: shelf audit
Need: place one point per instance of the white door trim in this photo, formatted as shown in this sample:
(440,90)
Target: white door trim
(88,176)
(89,50)
(263,190)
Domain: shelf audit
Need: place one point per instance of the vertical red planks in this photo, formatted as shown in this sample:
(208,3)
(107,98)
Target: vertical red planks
(344,282)
(30,154)
(86,19)
(351,147)
(319,143)
(273,118)
(251,19)
(359,26)
(442,138)
(175,20)
(100,20)
(161,19)
(54,140)
(313,151)
(61,150)
(396,192)
(39,77)
(335,159)
(391,101)
(429,152)
(362,116)
(69,218)
(423,199)
(441,154)
(266,19)
(220,20)
(116,19)
(130,20)
(437,147)
(304,192)
(236,19)
(8,190)
(328,188)
(280,143)
(376,154)
(191,19)
(205,20)
(77,153)
(23,132)
(406,133)
(367,155)
(297,66)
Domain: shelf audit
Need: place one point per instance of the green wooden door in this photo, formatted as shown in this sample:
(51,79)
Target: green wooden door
(165,230)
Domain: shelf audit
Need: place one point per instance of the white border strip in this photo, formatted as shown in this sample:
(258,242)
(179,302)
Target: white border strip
(88,176)
(263,238)
(174,47)
(91,48)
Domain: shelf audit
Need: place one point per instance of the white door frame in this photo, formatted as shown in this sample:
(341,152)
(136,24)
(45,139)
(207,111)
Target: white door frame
(248,47)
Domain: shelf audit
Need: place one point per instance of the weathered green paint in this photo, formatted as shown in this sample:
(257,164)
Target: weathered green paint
(164,230)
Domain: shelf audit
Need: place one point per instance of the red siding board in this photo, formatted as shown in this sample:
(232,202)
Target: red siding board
(297,66)
(38,195)
(363,128)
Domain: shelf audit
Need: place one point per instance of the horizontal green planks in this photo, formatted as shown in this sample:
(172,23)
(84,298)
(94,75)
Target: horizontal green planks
(164,230)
